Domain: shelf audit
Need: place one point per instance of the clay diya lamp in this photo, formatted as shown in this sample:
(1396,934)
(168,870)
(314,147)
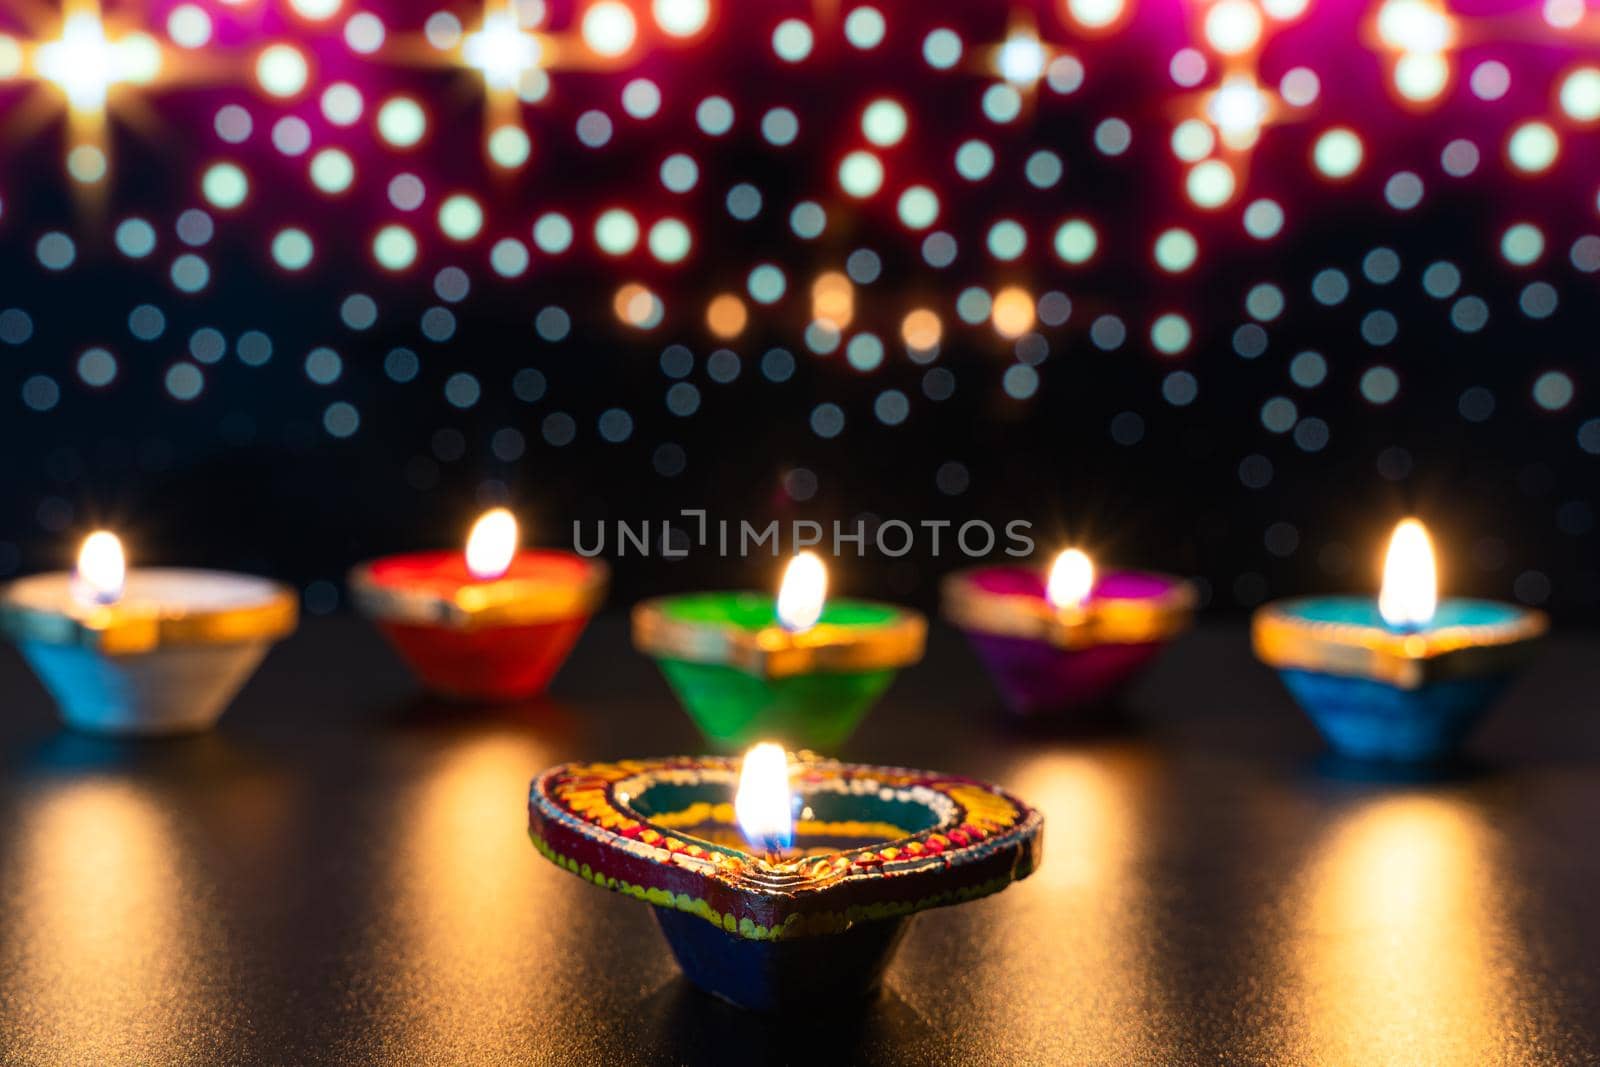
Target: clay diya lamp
(143,651)
(1404,677)
(803,668)
(1067,641)
(491,624)
(779,885)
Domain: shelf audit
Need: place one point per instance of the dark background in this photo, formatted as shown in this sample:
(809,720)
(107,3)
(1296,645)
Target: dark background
(245,475)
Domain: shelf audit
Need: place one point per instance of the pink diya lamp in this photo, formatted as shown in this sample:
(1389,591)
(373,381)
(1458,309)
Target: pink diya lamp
(493,623)
(143,651)
(1068,640)
(782,885)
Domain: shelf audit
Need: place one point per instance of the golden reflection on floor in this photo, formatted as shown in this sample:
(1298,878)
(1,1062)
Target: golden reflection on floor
(1404,952)
(1076,939)
(100,954)
(465,938)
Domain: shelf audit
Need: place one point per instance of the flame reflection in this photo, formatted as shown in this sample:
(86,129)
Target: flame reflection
(99,947)
(1408,953)
(1097,986)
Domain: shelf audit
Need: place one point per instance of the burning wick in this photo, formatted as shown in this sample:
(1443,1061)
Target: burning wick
(102,569)
(492,544)
(1410,591)
(1071,579)
(763,805)
(803,593)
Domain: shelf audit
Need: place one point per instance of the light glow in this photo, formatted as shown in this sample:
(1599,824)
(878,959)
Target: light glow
(102,569)
(492,544)
(1238,109)
(1071,579)
(803,593)
(1410,592)
(763,804)
(501,50)
(84,64)
(1021,59)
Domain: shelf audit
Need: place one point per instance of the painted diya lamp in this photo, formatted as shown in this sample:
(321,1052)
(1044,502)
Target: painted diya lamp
(146,651)
(1070,640)
(782,886)
(1402,678)
(492,624)
(802,668)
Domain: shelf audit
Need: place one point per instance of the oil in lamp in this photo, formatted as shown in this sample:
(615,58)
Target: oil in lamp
(801,667)
(493,623)
(1404,677)
(1065,641)
(145,650)
(782,884)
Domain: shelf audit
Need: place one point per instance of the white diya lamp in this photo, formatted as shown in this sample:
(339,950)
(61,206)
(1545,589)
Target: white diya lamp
(151,650)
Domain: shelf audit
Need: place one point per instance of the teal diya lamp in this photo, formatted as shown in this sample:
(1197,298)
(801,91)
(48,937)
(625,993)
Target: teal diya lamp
(782,884)
(1404,677)
(800,668)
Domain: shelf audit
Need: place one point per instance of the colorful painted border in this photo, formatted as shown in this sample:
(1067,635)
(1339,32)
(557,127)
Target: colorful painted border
(579,818)
(510,601)
(772,651)
(128,628)
(1285,639)
(1107,621)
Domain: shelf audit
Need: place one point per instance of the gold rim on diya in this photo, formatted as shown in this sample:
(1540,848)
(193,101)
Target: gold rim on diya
(1285,640)
(479,605)
(773,652)
(127,628)
(1110,621)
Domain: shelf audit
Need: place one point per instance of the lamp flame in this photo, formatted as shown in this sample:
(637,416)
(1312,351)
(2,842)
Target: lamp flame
(803,593)
(763,805)
(1410,592)
(492,544)
(1071,579)
(102,569)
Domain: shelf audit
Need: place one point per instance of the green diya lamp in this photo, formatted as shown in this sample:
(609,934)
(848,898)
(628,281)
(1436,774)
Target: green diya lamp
(799,667)
(1402,678)
(782,885)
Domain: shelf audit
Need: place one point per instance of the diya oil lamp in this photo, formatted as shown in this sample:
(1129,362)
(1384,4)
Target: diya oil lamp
(801,668)
(151,650)
(493,623)
(1404,677)
(782,886)
(1067,640)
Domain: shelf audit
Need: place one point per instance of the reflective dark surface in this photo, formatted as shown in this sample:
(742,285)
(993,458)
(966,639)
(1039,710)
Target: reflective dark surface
(341,874)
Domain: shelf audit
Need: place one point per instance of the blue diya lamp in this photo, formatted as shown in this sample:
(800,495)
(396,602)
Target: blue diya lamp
(1403,678)
(782,887)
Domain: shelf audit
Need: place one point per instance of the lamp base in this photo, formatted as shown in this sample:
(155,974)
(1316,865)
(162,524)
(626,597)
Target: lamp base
(735,709)
(492,665)
(1366,720)
(1038,680)
(772,976)
(169,690)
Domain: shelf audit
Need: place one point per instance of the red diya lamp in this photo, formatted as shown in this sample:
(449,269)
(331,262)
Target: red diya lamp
(493,623)
(1069,640)
(781,885)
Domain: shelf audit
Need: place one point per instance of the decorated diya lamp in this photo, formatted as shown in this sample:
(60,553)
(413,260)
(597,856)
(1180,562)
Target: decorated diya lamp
(801,668)
(1404,677)
(1068,640)
(782,886)
(151,650)
(493,623)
